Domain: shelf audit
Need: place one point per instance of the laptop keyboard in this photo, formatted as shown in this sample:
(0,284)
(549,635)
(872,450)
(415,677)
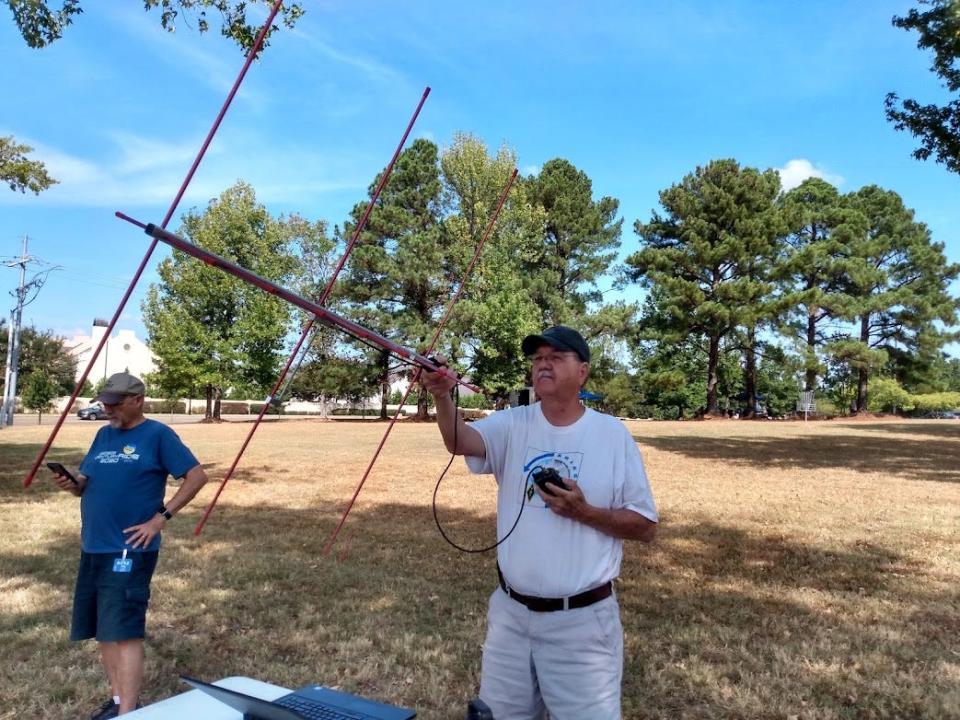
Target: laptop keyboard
(313,711)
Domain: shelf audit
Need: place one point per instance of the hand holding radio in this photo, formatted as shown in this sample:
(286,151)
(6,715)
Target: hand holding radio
(545,477)
(562,495)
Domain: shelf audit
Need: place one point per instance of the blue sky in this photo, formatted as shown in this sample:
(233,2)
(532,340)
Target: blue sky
(634,94)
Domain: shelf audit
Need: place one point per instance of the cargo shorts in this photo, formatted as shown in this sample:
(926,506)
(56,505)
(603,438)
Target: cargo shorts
(108,605)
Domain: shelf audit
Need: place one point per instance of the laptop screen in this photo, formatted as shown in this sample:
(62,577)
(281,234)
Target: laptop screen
(309,702)
(244,704)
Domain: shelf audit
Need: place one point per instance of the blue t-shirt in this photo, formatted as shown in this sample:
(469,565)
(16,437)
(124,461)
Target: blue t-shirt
(126,474)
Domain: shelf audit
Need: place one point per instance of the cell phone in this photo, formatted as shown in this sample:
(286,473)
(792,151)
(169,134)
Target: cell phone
(544,477)
(61,470)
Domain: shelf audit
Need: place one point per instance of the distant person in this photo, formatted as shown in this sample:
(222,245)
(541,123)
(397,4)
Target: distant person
(554,639)
(121,485)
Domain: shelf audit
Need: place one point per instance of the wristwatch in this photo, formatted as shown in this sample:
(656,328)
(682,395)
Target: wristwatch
(162,510)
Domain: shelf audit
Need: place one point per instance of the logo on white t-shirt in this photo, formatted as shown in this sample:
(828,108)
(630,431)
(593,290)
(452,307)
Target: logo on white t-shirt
(567,464)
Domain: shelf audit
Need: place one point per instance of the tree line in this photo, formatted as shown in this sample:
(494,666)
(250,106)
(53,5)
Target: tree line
(750,293)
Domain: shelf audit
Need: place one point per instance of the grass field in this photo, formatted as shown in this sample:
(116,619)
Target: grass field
(802,571)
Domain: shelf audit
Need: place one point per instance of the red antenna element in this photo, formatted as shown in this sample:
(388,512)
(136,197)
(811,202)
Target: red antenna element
(433,342)
(322,314)
(310,323)
(257,45)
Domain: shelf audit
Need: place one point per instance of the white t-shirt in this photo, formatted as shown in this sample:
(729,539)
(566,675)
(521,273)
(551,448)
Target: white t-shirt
(549,555)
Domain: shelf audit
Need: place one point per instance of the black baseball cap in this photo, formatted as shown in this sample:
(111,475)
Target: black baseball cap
(559,337)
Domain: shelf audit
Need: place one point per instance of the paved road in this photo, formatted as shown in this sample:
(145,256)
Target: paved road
(175,419)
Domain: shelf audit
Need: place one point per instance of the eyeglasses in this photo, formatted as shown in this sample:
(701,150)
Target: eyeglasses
(116,404)
(552,358)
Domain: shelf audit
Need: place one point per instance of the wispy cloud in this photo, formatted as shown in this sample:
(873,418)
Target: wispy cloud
(798,170)
(144,171)
(139,171)
(371,68)
(216,70)
(139,154)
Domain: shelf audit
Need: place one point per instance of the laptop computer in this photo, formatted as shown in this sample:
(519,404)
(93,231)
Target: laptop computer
(310,703)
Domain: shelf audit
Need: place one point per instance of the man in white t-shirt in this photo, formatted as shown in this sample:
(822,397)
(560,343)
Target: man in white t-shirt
(554,639)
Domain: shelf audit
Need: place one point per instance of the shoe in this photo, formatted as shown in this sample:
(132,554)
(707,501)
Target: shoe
(109,709)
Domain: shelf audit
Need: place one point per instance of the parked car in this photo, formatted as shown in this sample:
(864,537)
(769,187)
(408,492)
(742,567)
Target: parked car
(94,412)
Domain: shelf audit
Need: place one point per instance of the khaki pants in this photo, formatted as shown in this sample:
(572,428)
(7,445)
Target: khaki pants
(568,662)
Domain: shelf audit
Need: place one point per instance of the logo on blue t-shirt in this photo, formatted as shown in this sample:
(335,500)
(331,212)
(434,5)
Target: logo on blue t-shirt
(110,457)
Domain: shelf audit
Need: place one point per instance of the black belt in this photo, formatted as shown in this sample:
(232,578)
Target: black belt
(542,604)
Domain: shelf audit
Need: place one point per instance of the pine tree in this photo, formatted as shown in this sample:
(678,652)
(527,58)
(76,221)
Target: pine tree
(399,274)
(897,282)
(701,256)
(580,241)
(810,269)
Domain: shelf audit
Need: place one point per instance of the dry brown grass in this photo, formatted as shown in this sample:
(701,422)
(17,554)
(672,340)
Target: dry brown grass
(801,571)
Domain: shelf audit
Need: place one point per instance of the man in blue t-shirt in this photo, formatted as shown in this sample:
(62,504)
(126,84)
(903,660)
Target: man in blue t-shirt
(121,485)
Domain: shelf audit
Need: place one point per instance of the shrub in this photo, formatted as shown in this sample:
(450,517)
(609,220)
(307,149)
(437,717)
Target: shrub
(887,395)
(827,407)
(931,402)
(354,411)
(477,401)
(230,407)
(164,406)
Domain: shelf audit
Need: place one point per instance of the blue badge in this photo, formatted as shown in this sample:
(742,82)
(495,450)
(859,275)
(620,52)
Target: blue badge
(123,564)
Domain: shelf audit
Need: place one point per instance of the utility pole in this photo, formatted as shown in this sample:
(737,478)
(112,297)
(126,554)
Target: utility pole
(13,339)
(13,331)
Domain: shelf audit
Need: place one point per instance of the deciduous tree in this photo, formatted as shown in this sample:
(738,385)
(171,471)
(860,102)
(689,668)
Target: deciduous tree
(18,171)
(497,309)
(41,22)
(331,377)
(936,126)
(39,390)
(211,331)
(43,350)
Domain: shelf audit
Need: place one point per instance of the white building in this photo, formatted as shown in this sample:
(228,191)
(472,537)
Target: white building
(124,352)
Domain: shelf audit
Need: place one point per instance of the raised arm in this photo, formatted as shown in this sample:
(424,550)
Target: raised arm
(452,426)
